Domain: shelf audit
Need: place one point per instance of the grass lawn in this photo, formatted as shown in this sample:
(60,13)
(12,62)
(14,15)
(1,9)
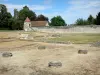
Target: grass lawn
(10,30)
(77,38)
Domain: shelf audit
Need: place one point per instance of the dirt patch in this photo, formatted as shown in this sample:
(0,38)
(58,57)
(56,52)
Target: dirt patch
(29,60)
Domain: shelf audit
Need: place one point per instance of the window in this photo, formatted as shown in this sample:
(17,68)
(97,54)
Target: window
(29,25)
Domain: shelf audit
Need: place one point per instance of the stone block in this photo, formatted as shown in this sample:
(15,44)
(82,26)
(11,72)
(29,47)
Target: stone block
(82,52)
(54,64)
(7,54)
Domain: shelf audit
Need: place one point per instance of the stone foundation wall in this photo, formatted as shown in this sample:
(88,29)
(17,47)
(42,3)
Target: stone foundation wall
(69,29)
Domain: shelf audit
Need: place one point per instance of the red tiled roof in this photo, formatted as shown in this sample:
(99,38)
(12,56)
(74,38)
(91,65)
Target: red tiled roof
(27,20)
(38,23)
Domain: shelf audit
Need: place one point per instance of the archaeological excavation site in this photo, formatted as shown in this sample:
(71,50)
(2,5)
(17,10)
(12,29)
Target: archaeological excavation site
(49,53)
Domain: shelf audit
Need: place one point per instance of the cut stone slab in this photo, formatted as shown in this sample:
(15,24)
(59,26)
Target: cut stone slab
(24,36)
(82,52)
(55,64)
(56,35)
(7,54)
(41,47)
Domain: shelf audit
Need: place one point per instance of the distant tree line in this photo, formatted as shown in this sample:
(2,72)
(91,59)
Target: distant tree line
(90,21)
(16,22)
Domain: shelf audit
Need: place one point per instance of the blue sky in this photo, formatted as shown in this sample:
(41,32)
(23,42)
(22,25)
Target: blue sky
(70,10)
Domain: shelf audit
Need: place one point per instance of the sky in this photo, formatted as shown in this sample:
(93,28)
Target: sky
(70,10)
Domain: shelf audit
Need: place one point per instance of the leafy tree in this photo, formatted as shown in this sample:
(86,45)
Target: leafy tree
(3,8)
(57,21)
(90,20)
(26,12)
(80,21)
(15,24)
(4,16)
(15,14)
(98,19)
(11,23)
(95,21)
(41,18)
(26,8)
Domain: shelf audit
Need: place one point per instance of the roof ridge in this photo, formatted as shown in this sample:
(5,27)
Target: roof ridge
(47,21)
(27,20)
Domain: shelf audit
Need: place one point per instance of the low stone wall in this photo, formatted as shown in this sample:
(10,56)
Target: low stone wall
(25,36)
(69,29)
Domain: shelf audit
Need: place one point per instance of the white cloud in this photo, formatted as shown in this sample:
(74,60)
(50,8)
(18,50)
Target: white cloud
(32,7)
(82,4)
(3,0)
(75,9)
(48,1)
(78,9)
(11,7)
(49,15)
(81,9)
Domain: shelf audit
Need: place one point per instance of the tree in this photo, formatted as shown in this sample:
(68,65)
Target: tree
(41,18)
(80,21)
(15,14)
(98,19)
(95,21)
(4,16)
(15,24)
(26,12)
(57,21)
(90,20)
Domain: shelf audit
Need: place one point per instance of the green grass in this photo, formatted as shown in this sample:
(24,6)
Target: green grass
(8,30)
(77,38)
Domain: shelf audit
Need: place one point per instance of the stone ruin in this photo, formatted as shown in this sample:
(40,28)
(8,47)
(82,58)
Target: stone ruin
(42,47)
(7,54)
(82,52)
(68,29)
(55,64)
(25,36)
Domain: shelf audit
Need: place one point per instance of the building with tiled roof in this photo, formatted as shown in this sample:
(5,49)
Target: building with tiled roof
(28,24)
